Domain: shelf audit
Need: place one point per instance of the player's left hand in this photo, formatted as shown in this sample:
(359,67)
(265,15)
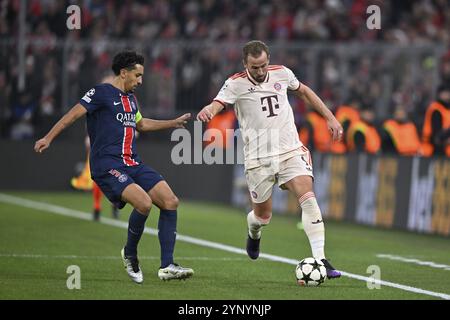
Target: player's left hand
(181,121)
(335,129)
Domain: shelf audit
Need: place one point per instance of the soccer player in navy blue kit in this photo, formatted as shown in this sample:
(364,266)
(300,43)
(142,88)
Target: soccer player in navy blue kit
(112,120)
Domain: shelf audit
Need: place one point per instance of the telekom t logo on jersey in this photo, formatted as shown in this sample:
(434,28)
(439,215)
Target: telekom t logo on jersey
(269,105)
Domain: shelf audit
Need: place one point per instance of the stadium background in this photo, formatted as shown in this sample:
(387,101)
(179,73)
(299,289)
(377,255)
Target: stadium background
(190,48)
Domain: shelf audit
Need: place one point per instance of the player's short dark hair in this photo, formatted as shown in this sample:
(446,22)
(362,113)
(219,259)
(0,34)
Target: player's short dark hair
(254,48)
(126,60)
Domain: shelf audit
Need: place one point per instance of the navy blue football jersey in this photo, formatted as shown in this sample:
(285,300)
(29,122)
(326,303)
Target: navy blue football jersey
(111,122)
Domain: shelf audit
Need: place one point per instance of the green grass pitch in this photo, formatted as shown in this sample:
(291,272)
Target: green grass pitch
(37,247)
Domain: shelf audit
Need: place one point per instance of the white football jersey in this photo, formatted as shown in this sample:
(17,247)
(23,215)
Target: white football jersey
(265,116)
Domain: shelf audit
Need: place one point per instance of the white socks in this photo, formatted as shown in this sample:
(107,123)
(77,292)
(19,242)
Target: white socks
(255,225)
(313,224)
(311,220)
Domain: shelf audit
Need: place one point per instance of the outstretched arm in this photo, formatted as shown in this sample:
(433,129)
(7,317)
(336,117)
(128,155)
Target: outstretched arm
(146,124)
(309,96)
(208,112)
(70,117)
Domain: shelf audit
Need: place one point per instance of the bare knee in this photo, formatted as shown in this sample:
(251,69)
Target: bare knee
(263,211)
(170,203)
(263,214)
(144,206)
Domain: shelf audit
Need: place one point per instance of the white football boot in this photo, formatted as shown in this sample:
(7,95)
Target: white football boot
(132,266)
(174,271)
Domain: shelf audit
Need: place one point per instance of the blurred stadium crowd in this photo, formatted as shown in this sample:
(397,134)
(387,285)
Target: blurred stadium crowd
(192,46)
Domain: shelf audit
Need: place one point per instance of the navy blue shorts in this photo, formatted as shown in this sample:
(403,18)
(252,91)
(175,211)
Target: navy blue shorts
(114,181)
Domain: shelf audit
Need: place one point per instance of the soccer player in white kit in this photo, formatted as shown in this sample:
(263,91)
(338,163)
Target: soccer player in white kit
(273,152)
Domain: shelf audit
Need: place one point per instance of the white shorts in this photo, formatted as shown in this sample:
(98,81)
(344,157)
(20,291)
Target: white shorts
(260,180)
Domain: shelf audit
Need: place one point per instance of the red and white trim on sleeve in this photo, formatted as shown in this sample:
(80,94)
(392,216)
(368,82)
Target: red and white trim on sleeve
(128,136)
(223,103)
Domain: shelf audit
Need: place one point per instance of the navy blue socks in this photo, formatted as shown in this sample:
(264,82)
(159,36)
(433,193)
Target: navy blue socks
(167,232)
(136,225)
(167,228)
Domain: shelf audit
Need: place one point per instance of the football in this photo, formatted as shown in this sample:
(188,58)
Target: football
(310,272)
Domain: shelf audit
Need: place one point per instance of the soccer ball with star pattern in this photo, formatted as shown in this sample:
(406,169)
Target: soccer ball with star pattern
(310,272)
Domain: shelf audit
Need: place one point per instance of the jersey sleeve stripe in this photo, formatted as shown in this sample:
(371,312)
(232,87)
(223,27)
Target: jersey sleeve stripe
(299,85)
(221,102)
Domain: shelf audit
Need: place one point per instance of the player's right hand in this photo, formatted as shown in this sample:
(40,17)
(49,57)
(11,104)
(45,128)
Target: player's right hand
(41,145)
(205,115)
(335,129)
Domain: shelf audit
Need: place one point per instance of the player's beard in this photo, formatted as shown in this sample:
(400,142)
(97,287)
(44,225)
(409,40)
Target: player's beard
(260,79)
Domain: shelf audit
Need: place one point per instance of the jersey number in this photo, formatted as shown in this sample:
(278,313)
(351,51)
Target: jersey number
(270,105)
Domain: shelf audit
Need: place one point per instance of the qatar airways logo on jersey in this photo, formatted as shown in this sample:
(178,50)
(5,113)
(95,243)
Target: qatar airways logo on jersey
(127,119)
